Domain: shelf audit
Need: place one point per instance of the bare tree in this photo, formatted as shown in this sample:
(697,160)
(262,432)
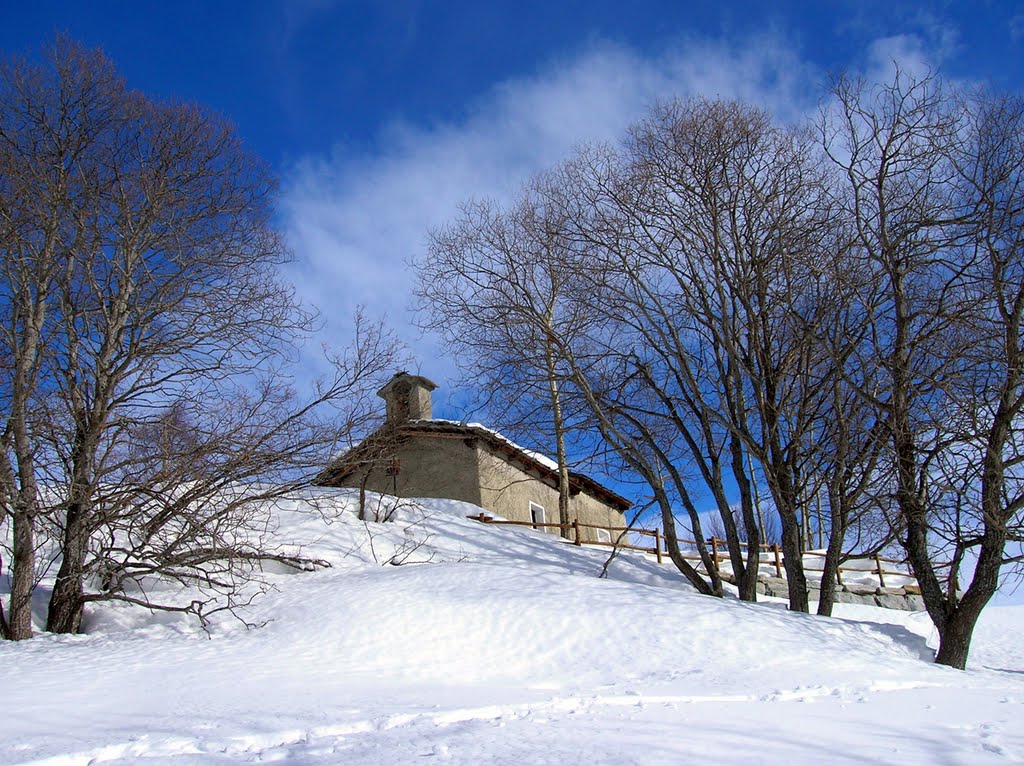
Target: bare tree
(682,270)
(152,337)
(848,331)
(498,286)
(182,493)
(706,236)
(934,189)
(46,134)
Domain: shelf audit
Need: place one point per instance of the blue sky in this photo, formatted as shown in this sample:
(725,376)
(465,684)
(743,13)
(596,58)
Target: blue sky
(307,76)
(380,117)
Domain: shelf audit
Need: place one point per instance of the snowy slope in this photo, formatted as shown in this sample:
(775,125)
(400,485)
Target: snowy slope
(495,645)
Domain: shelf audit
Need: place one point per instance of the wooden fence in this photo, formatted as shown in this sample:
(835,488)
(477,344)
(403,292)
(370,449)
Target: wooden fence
(719,548)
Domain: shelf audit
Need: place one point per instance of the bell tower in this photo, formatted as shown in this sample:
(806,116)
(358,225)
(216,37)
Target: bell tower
(407,397)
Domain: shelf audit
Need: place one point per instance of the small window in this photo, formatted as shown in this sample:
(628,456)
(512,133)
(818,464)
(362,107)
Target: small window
(604,536)
(537,515)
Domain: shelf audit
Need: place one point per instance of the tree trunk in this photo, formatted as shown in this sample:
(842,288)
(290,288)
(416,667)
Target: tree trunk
(784,494)
(672,546)
(67,599)
(24,491)
(827,592)
(956,631)
(66,602)
(746,580)
(26,502)
(955,643)
(796,582)
(684,566)
(19,625)
(361,513)
(559,422)
(65,613)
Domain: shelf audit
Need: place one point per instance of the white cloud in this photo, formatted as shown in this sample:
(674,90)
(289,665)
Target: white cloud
(909,52)
(355,221)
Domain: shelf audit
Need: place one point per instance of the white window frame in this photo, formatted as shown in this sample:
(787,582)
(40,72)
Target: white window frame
(536,509)
(604,536)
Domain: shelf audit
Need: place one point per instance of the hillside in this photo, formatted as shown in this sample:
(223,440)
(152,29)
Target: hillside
(494,645)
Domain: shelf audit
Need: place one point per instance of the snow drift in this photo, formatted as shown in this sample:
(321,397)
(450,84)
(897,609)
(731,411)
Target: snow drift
(436,636)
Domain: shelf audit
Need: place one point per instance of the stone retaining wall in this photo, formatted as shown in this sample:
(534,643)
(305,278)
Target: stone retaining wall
(907,598)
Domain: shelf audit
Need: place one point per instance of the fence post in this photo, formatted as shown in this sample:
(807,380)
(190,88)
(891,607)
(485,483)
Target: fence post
(714,550)
(576,529)
(657,544)
(839,574)
(878,563)
(778,560)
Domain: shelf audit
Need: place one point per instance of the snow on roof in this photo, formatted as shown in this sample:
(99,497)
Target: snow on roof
(540,457)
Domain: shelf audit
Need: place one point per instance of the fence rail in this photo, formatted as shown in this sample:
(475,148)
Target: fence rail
(718,548)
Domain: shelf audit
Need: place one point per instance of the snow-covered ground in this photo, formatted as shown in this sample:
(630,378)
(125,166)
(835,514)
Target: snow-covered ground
(502,646)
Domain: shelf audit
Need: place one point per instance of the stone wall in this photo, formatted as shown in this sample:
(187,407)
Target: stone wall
(463,468)
(427,467)
(507,490)
(907,598)
(587,509)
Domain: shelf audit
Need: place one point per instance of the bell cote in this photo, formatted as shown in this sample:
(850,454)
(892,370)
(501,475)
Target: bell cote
(407,397)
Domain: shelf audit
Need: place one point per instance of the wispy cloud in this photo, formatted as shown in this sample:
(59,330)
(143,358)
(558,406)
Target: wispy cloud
(356,220)
(909,52)
(1016,25)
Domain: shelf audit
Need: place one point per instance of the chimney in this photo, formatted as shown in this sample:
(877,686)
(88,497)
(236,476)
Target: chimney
(407,397)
